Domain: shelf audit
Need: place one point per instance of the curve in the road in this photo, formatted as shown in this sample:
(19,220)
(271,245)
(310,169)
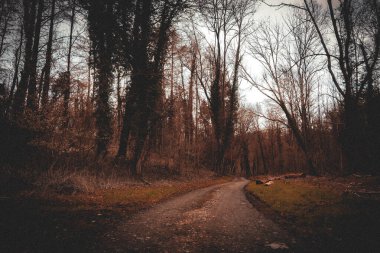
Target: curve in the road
(214,219)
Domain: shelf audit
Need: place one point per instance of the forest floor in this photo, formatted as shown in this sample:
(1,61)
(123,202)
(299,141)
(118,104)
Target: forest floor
(325,214)
(65,218)
(202,213)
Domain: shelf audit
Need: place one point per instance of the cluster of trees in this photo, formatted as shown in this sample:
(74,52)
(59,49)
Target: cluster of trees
(346,37)
(157,82)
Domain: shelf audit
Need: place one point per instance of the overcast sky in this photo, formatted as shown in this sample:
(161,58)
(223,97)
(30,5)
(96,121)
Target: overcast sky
(274,15)
(251,95)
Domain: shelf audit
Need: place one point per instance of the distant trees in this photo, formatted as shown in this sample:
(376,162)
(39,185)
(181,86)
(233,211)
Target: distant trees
(350,50)
(291,72)
(227,21)
(48,62)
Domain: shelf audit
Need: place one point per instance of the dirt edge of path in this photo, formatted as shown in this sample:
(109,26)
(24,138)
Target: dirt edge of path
(301,244)
(47,224)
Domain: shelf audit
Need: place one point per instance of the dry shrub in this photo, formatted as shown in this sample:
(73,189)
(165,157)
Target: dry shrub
(64,181)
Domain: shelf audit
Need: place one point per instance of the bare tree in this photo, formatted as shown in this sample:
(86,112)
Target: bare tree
(29,22)
(32,86)
(290,70)
(66,91)
(352,53)
(245,127)
(357,57)
(16,65)
(227,20)
(48,63)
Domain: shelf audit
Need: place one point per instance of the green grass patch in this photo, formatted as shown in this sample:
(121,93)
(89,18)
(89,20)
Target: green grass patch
(299,198)
(322,211)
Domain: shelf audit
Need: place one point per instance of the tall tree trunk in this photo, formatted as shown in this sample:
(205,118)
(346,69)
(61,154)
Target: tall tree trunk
(300,140)
(46,82)
(352,135)
(280,149)
(137,97)
(101,35)
(32,87)
(131,93)
(66,92)
(29,22)
(245,159)
(119,101)
(40,84)
(90,96)
(16,66)
(145,91)
(190,123)
(262,151)
(126,128)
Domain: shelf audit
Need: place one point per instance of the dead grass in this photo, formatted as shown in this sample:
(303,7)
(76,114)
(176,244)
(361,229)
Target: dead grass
(74,210)
(295,197)
(321,209)
(63,181)
(104,185)
(85,190)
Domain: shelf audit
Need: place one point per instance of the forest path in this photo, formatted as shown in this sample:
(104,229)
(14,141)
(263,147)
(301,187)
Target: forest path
(214,219)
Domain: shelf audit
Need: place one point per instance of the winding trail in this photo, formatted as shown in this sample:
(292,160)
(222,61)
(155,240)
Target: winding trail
(214,219)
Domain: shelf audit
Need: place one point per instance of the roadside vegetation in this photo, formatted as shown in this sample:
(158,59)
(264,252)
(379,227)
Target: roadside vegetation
(75,212)
(132,195)
(329,214)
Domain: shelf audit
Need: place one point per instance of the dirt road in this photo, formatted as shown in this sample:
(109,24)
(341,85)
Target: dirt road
(214,219)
